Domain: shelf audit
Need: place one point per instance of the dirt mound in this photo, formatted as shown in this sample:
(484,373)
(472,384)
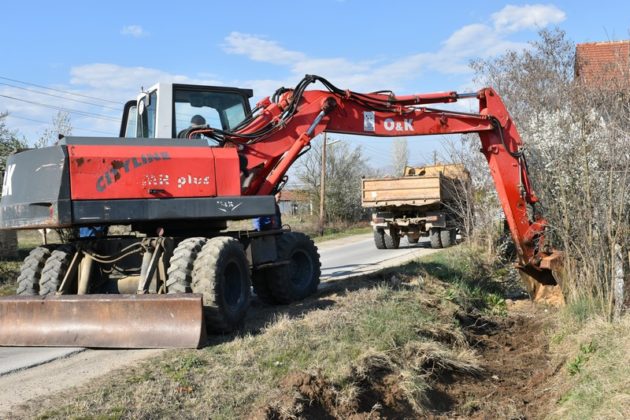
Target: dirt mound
(376,392)
(380,386)
(500,372)
(517,363)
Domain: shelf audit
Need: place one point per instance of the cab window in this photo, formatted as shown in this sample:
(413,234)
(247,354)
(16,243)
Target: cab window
(146,122)
(131,128)
(222,110)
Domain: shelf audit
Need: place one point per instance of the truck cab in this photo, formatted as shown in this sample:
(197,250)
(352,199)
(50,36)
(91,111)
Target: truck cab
(166,110)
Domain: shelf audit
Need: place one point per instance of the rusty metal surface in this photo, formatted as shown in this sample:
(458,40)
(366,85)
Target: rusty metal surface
(103,321)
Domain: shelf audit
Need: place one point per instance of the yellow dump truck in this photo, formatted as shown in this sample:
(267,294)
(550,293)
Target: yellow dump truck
(426,201)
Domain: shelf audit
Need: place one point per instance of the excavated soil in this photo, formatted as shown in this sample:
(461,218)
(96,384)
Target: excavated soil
(517,364)
(513,382)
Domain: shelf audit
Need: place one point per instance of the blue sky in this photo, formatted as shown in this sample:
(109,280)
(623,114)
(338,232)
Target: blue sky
(108,50)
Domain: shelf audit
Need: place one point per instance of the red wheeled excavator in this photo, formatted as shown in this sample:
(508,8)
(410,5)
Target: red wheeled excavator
(180,272)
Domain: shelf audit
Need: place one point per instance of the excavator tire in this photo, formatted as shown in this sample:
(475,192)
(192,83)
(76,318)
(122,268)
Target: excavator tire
(221,275)
(435,237)
(379,239)
(447,237)
(55,269)
(392,240)
(31,271)
(179,278)
(300,278)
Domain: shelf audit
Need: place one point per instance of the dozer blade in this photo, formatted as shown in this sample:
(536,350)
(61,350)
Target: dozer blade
(105,321)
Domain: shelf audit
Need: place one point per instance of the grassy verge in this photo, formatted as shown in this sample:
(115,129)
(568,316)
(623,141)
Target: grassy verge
(441,336)
(379,344)
(594,381)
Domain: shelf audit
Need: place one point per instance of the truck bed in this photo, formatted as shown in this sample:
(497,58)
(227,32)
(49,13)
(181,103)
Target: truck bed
(405,191)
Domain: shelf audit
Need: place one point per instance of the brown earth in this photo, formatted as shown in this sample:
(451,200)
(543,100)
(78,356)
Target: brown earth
(513,383)
(518,368)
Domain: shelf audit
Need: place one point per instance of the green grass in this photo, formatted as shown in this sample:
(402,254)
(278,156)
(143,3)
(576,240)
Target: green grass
(229,380)
(595,382)
(476,281)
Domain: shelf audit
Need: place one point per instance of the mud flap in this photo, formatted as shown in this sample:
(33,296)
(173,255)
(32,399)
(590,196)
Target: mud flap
(103,321)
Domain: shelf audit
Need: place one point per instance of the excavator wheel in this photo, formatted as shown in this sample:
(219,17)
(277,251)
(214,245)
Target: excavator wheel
(181,265)
(379,239)
(55,269)
(31,271)
(300,278)
(221,275)
(435,237)
(392,240)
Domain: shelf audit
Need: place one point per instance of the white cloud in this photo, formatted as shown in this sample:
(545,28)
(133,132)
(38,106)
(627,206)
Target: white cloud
(530,16)
(471,41)
(260,49)
(118,83)
(135,31)
(100,76)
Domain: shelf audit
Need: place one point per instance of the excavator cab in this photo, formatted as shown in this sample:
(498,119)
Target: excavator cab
(166,109)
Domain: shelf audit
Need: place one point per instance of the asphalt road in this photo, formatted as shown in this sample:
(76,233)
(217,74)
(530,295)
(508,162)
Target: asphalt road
(23,370)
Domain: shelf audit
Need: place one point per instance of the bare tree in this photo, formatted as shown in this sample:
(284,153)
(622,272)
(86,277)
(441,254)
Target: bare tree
(9,142)
(344,169)
(400,156)
(577,144)
(61,126)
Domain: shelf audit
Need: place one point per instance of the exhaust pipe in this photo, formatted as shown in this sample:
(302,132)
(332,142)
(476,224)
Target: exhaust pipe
(103,321)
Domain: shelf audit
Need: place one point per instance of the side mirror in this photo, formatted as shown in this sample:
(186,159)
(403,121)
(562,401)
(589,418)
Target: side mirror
(143,103)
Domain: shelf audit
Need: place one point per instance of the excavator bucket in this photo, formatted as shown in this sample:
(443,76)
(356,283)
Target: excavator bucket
(105,321)
(544,283)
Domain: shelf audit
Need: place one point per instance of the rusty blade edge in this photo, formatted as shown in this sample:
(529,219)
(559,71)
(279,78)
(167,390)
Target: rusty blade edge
(103,321)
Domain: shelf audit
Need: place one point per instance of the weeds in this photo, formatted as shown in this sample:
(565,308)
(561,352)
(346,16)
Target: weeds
(575,366)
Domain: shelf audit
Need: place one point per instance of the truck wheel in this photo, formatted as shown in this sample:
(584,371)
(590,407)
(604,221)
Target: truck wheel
(435,236)
(379,239)
(55,269)
(221,274)
(300,278)
(179,278)
(447,236)
(31,271)
(392,241)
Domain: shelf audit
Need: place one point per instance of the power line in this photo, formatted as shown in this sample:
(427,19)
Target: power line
(60,91)
(11,115)
(59,96)
(71,111)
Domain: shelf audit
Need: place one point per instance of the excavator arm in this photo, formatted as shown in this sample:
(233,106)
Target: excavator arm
(283,126)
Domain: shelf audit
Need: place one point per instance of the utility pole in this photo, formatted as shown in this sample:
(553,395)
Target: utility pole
(322,191)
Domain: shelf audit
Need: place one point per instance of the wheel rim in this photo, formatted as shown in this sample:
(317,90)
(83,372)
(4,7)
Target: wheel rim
(301,268)
(233,288)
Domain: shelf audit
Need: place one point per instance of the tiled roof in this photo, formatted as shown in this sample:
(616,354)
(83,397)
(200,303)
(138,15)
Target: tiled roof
(293,195)
(602,64)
